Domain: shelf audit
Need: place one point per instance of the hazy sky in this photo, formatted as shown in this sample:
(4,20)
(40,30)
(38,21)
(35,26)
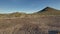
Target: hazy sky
(29,6)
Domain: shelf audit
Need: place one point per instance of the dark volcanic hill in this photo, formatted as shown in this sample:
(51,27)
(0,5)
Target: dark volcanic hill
(49,11)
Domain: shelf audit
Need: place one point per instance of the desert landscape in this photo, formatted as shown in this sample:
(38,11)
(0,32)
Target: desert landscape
(46,21)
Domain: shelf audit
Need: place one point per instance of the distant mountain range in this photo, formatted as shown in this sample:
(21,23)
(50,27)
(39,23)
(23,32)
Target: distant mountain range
(45,11)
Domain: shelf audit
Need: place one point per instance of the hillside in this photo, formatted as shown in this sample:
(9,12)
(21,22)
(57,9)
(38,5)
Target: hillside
(49,11)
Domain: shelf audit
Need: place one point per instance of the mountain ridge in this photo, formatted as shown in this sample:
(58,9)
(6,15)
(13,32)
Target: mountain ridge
(46,11)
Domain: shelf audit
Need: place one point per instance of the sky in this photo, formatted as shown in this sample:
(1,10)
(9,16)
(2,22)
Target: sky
(27,6)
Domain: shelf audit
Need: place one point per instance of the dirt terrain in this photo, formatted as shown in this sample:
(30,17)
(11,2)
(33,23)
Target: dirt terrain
(39,25)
